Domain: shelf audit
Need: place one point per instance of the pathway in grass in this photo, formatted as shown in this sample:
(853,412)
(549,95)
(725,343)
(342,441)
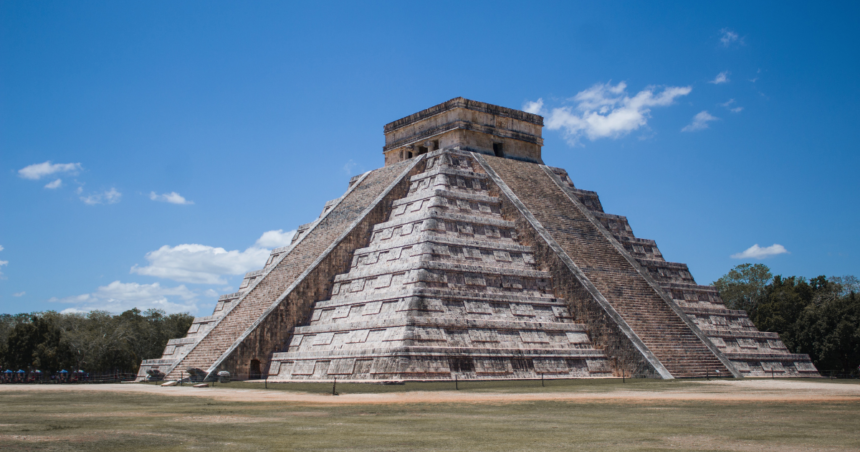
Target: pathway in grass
(763,390)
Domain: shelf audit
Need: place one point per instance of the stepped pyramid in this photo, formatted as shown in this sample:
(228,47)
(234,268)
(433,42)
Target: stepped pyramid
(466,257)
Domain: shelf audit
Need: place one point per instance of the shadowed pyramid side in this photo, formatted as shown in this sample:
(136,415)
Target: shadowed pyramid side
(284,274)
(750,351)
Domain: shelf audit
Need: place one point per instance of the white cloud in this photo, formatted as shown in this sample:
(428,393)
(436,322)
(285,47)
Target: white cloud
(107,197)
(40,170)
(606,111)
(79,190)
(118,297)
(757,252)
(19,294)
(533,107)
(728,37)
(700,121)
(275,239)
(2,263)
(201,264)
(722,77)
(55,184)
(172,198)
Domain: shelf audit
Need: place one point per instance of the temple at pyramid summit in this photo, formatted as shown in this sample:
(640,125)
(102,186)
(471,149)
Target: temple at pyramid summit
(466,257)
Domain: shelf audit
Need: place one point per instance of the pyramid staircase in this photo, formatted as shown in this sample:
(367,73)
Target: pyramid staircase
(442,290)
(261,315)
(685,325)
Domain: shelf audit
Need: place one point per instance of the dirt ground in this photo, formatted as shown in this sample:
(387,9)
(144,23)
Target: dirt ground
(716,390)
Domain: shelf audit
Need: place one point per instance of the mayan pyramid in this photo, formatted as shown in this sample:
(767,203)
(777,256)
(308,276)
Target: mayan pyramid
(466,257)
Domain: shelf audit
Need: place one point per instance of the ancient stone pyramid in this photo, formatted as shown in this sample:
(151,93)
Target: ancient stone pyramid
(466,257)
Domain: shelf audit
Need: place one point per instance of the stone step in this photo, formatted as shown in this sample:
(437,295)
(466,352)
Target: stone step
(590,248)
(524,324)
(432,237)
(303,253)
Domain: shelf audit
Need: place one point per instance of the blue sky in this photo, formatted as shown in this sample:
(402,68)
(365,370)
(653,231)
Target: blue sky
(189,138)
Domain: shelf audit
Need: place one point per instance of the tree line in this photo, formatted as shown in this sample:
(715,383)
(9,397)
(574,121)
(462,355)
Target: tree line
(96,342)
(818,316)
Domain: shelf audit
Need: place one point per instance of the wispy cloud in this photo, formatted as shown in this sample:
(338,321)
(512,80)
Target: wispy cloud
(349,166)
(40,170)
(19,294)
(3,263)
(729,106)
(700,121)
(722,77)
(118,297)
(729,37)
(757,252)
(55,184)
(111,196)
(172,198)
(606,111)
(202,264)
(757,74)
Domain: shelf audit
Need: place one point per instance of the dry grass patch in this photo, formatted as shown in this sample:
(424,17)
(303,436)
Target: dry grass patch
(88,420)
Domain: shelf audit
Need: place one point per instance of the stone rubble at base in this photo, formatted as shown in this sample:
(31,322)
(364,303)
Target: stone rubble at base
(451,262)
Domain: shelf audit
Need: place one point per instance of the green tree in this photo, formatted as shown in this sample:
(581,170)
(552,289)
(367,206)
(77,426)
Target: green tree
(819,317)
(37,344)
(744,286)
(830,333)
(847,284)
(96,341)
(8,322)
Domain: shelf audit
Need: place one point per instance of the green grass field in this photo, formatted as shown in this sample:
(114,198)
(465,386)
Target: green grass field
(116,421)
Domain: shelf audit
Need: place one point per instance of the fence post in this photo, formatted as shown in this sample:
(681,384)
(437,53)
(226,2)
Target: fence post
(180,378)
(456,386)
(707,374)
(541,379)
(334,387)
